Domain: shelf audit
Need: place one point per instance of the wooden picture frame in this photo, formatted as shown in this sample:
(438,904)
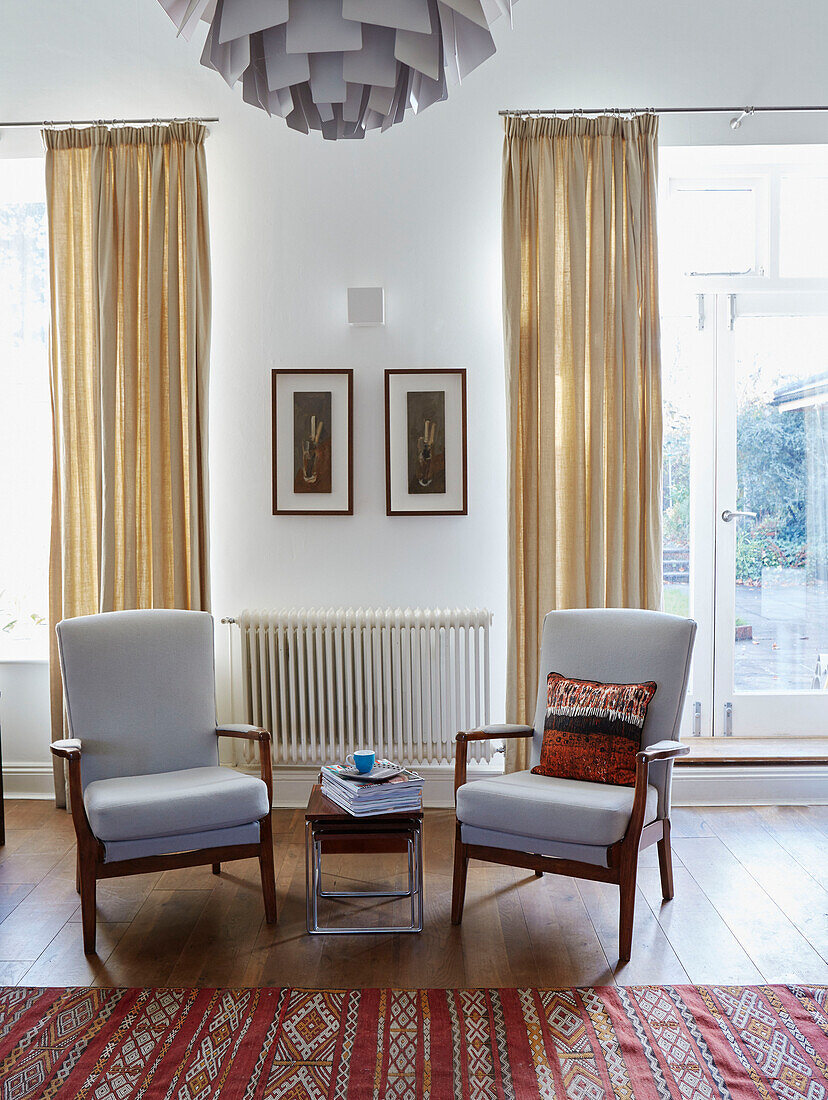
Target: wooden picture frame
(426,463)
(312,442)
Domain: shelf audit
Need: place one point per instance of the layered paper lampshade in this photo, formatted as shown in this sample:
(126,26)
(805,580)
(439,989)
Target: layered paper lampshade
(342,66)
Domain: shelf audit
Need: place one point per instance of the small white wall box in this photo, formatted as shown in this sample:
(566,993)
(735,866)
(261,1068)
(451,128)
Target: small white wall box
(366,305)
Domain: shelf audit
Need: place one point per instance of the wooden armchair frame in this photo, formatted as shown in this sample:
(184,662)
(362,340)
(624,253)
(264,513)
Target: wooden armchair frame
(622,857)
(90,861)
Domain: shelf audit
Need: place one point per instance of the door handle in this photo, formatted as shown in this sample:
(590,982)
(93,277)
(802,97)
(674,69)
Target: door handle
(729,516)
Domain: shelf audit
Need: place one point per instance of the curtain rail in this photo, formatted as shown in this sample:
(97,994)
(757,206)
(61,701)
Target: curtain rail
(663,110)
(48,124)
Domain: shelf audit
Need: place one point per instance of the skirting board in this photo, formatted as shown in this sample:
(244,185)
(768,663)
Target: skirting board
(758,785)
(698,786)
(29,779)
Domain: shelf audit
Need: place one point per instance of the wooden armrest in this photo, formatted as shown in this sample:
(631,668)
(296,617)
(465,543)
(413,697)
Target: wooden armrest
(488,733)
(70,750)
(244,732)
(66,749)
(662,750)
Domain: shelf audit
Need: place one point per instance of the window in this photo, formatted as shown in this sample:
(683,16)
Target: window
(803,227)
(712,225)
(25,413)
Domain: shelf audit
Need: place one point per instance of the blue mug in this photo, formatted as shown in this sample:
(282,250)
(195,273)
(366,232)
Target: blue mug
(363,760)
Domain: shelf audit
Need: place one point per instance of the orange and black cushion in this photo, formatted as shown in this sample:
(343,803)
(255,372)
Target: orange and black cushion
(592,730)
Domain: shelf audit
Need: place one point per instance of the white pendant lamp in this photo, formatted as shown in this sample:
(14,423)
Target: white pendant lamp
(342,66)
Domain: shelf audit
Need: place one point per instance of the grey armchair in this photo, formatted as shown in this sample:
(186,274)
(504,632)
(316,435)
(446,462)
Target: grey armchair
(147,792)
(568,827)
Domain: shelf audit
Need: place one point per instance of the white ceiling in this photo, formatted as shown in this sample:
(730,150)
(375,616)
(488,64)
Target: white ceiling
(90,58)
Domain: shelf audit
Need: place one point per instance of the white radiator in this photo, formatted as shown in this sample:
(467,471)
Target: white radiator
(326,682)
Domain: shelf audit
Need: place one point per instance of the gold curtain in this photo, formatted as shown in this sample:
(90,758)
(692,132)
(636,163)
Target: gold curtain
(130,349)
(583,378)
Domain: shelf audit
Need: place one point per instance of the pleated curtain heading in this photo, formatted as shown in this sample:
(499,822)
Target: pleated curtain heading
(130,349)
(583,377)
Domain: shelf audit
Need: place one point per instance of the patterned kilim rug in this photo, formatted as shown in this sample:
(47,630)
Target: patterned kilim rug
(693,1043)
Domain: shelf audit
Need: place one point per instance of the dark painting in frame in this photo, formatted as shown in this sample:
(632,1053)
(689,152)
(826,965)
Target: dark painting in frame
(312,442)
(426,442)
(426,435)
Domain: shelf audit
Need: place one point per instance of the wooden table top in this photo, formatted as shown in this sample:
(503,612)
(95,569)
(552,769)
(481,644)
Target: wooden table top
(322,809)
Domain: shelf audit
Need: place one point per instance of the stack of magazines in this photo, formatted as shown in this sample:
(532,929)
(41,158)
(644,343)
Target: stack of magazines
(402,792)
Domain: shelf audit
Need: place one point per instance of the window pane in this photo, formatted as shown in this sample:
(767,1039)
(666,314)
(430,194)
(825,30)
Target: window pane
(679,339)
(803,227)
(25,416)
(709,230)
(782,476)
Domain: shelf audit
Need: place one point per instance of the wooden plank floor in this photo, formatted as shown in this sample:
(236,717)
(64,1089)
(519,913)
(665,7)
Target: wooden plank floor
(751,906)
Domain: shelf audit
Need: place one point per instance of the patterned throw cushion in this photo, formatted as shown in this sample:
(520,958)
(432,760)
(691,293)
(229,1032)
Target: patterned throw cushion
(593,731)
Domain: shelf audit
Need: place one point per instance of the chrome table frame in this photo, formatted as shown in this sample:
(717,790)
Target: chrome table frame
(316,832)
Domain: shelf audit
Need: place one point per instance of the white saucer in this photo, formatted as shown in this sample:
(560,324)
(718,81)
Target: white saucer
(376,775)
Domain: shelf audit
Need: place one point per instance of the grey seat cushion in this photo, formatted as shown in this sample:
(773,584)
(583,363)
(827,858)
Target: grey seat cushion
(184,842)
(565,810)
(191,801)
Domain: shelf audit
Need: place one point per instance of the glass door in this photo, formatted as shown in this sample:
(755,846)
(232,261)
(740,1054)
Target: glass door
(743,268)
(745,508)
(771,515)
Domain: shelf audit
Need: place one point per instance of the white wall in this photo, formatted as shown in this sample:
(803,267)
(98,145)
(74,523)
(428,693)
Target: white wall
(296,220)
(24,723)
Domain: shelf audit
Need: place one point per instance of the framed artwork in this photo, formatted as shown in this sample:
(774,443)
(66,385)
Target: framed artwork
(425,443)
(313,447)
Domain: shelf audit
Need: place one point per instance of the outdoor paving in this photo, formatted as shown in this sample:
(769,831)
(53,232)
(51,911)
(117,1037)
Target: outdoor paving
(788,636)
(790,631)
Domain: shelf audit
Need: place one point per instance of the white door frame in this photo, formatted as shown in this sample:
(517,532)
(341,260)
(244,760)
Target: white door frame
(761,290)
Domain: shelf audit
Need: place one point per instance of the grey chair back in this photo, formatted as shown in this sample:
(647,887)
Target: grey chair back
(140,691)
(623,646)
